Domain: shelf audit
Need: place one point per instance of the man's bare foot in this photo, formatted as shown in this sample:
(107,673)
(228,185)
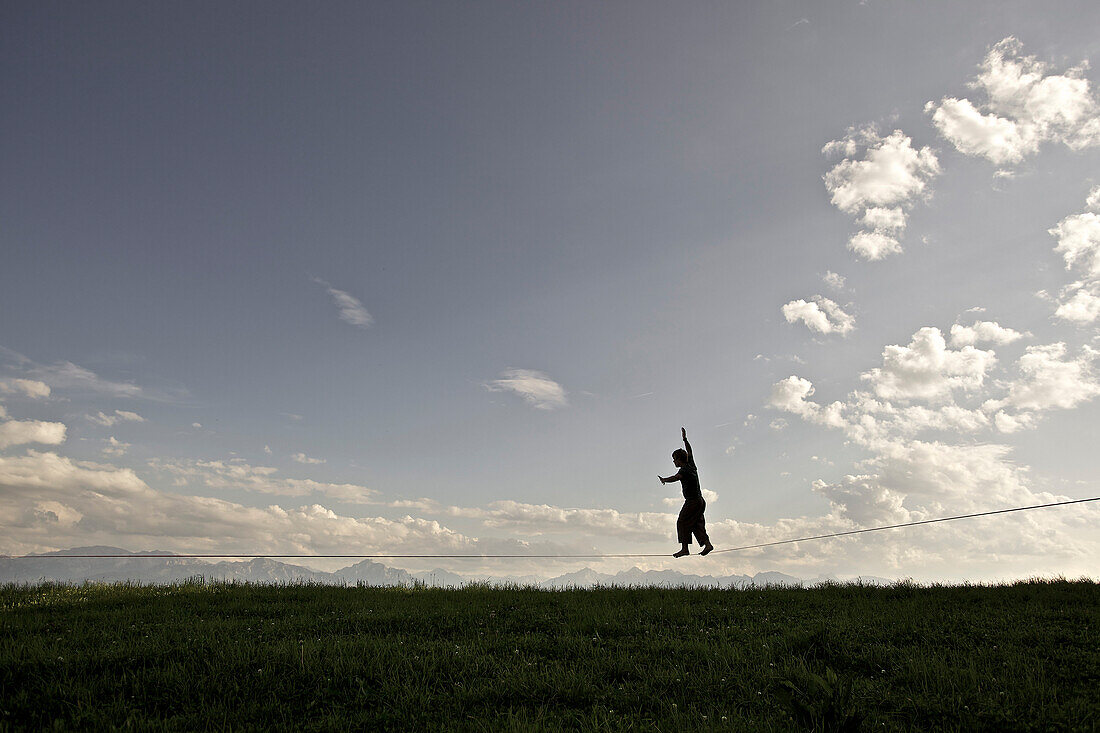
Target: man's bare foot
(707,549)
(681,553)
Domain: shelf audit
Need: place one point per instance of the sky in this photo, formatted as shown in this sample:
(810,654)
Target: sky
(450,277)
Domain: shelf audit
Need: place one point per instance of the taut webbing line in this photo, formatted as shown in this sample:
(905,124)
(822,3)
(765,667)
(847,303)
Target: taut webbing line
(583,556)
(910,524)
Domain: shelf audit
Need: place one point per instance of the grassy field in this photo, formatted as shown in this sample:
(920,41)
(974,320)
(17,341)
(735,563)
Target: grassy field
(199,656)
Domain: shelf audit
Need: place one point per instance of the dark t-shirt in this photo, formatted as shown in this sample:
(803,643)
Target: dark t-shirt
(689,480)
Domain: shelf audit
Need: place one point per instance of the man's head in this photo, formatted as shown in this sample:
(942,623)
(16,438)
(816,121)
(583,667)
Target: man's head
(680,457)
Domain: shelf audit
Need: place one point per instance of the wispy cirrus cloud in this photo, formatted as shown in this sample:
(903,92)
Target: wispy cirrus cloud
(67,375)
(351,309)
(43,379)
(535,387)
(236,474)
(107,420)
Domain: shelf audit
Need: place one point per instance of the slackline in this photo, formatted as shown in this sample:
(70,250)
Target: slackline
(578,557)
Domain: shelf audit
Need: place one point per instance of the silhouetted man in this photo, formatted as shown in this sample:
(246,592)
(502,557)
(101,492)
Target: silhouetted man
(691,519)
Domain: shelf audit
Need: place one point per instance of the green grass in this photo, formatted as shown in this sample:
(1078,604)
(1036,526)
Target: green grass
(845,657)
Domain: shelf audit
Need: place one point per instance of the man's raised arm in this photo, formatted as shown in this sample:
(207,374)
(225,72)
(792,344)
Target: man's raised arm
(684,434)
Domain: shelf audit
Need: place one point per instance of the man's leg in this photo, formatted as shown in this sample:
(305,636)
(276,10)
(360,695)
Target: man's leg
(700,532)
(683,529)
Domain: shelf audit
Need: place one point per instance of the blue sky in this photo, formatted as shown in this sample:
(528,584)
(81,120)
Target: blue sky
(451,277)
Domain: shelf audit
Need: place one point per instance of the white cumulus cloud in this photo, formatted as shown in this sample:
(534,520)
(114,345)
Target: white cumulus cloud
(1008,423)
(1049,380)
(1092,203)
(863,500)
(1021,105)
(1078,238)
(983,332)
(885,219)
(972,133)
(926,369)
(41,492)
(22,432)
(878,180)
(791,395)
(28,387)
(819,314)
(833,280)
(923,420)
(874,245)
(1078,241)
(1083,306)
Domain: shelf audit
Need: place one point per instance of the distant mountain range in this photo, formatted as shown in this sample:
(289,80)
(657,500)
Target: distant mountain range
(145,570)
